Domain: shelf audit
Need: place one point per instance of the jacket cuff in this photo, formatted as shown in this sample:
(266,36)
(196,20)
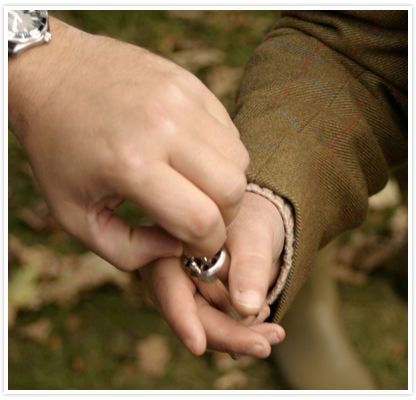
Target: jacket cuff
(287,213)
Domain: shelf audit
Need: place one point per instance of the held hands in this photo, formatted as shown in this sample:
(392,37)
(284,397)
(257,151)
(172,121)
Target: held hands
(102,121)
(254,241)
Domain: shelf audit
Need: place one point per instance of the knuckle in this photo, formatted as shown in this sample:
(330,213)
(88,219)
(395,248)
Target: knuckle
(174,94)
(183,78)
(165,111)
(157,115)
(125,159)
(233,194)
(127,264)
(204,223)
(243,157)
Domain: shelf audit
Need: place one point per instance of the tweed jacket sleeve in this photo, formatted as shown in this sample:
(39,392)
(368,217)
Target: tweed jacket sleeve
(322,110)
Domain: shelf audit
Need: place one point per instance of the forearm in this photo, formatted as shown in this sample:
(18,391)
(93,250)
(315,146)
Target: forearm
(287,216)
(320,128)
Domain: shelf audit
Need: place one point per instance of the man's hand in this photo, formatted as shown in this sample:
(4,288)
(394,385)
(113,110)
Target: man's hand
(102,121)
(255,242)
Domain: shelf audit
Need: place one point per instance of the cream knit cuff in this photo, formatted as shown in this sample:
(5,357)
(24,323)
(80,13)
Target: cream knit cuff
(286,211)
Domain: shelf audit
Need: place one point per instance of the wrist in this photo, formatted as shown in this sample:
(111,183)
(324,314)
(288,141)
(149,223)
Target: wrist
(288,217)
(33,74)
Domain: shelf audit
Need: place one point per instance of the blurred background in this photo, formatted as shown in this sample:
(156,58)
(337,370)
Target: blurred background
(75,322)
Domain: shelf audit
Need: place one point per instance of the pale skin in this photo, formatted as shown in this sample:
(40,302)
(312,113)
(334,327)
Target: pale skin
(103,122)
(255,241)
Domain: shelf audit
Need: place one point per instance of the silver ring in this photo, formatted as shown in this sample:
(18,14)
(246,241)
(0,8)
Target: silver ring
(202,272)
(203,267)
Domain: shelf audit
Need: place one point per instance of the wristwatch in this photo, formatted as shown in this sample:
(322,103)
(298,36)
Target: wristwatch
(27,28)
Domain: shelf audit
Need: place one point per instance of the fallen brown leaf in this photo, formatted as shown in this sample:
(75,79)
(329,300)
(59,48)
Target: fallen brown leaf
(222,79)
(232,380)
(11,315)
(83,273)
(55,342)
(73,322)
(345,273)
(46,277)
(153,355)
(77,365)
(30,218)
(195,59)
(40,258)
(39,218)
(223,361)
(364,253)
(172,43)
(38,331)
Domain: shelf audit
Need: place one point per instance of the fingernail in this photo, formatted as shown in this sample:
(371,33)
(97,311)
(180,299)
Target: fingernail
(273,338)
(264,313)
(257,350)
(250,299)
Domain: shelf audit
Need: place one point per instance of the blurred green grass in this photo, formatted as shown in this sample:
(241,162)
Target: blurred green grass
(375,316)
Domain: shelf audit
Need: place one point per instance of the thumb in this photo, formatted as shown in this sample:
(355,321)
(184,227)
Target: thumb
(254,242)
(127,248)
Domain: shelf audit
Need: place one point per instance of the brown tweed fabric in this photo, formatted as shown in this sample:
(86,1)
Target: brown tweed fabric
(322,110)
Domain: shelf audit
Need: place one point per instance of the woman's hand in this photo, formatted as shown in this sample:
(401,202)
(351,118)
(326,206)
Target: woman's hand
(255,242)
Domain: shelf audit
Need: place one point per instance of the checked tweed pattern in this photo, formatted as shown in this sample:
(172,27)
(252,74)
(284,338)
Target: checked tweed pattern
(322,110)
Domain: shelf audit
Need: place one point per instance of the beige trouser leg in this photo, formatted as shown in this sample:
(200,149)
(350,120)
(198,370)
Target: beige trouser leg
(316,354)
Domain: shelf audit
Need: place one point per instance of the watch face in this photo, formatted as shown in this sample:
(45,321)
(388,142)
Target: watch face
(26,24)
